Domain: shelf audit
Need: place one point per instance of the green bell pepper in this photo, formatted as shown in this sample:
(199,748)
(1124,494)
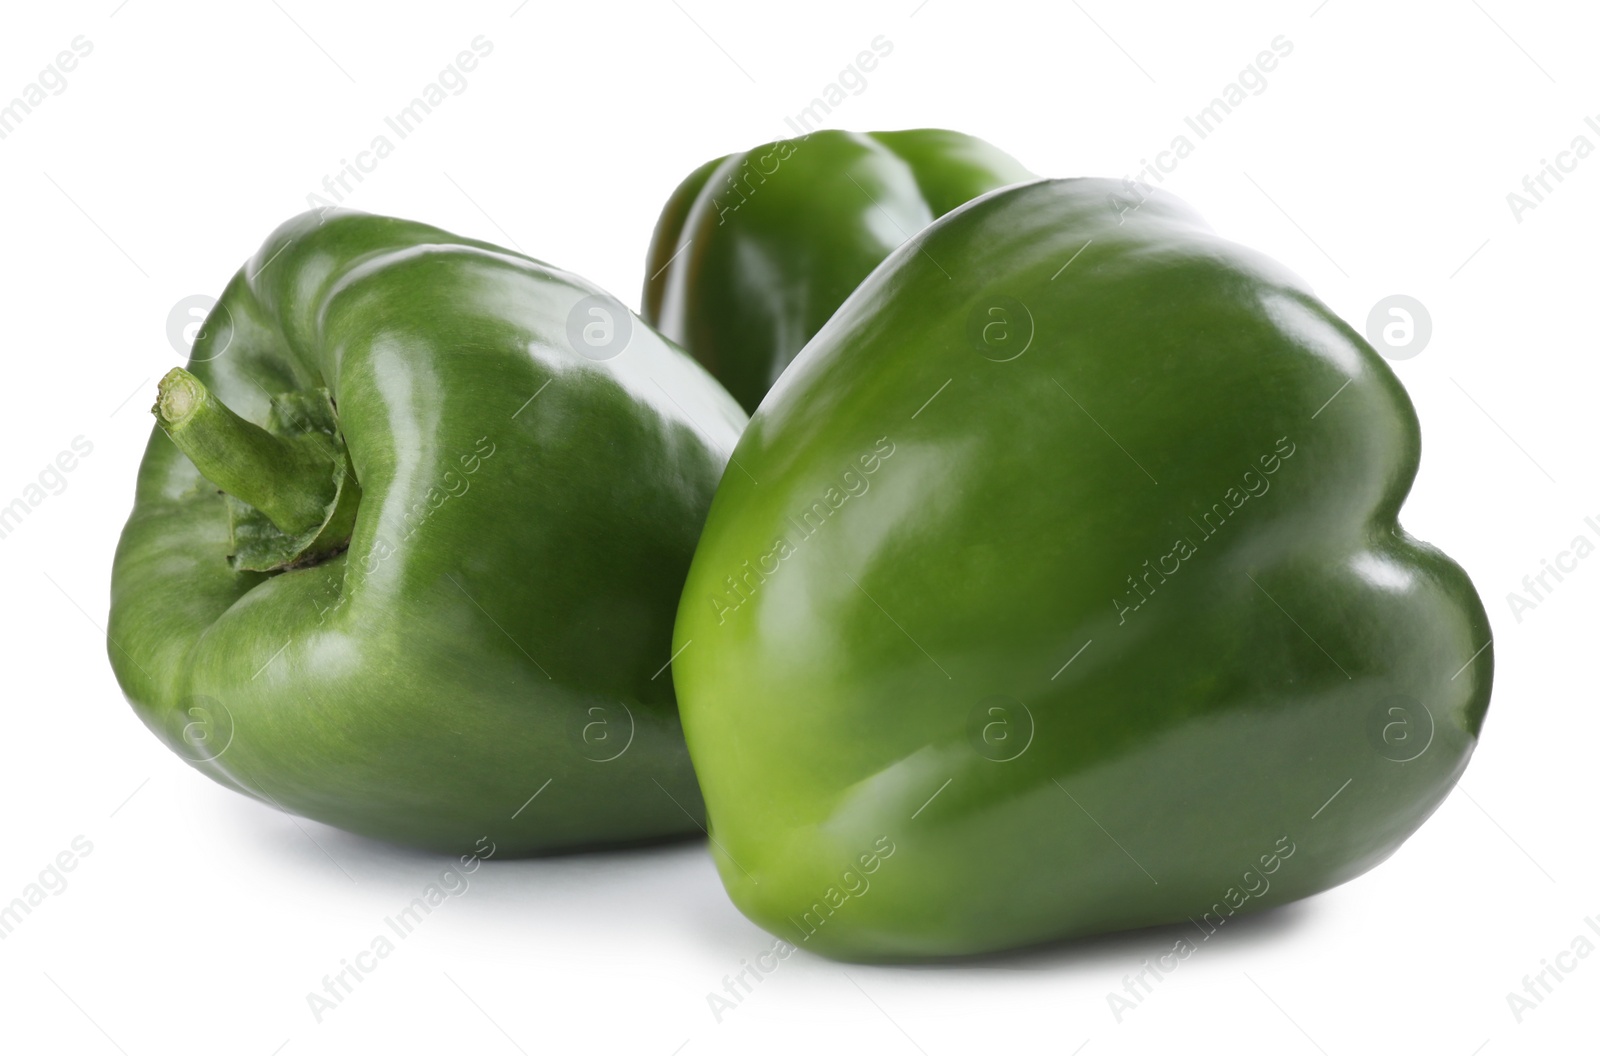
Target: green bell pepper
(1071,597)
(754,251)
(407,545)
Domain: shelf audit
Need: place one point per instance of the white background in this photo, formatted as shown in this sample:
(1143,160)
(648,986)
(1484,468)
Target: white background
(1377,161)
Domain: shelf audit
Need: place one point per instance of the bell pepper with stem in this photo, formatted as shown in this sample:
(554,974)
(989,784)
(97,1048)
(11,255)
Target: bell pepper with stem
(407,543)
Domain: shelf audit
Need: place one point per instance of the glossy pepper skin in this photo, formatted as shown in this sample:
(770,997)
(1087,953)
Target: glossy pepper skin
(1071,597)
(754,251)
(480,661)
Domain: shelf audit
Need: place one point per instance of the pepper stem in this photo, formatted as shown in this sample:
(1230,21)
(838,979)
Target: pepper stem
(291,483)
